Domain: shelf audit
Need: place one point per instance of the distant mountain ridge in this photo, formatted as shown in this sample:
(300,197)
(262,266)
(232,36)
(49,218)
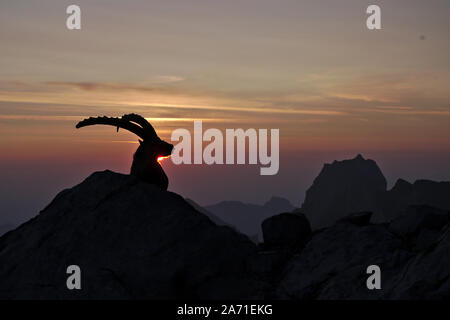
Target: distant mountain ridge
(342,187)
(247,217)
(213,217)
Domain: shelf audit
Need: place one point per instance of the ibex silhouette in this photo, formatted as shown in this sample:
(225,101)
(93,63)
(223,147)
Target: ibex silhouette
(145,160)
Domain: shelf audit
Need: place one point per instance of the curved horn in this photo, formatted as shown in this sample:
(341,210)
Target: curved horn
(148,128)
(115,122)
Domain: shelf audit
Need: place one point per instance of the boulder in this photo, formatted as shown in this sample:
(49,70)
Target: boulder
(286,230)
(357,218)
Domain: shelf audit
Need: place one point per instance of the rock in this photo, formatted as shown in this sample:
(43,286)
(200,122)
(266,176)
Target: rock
(422,192)
(286,230)
(344,186)
(396,199)
(426,239)
(427,274)
(333,266)
(419,217)
(213,218)
(131,240)
(4,228)
(358,218)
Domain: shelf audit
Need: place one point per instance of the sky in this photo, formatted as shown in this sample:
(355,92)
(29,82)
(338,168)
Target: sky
(310,68)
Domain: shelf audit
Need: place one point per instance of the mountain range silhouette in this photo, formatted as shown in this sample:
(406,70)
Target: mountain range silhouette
(133,240)
(247,217)
(347,186)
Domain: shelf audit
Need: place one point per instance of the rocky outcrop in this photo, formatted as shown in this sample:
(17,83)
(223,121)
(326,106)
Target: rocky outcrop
(333,264)
(420,226)
(344,186)
(286,230)
(358,185)
(131,240)
(421,192)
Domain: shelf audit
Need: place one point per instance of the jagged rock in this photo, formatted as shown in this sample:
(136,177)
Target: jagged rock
(427,274)
(286,230)
(426,239)
(396,199)
(421,192)
(333,266)
(344,186)
(358,218)
(419,217)
(131,240)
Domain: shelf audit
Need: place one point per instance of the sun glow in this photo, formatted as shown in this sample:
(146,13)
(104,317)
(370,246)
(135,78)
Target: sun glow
(159,159)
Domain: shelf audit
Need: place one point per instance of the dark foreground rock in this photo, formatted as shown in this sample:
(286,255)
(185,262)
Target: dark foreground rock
(135,241)
(4,228)
(333,264)
(358,218)
(131,240)
(421,192)
(286,230)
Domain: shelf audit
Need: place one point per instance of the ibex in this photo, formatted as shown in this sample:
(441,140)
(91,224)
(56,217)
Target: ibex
(145,160)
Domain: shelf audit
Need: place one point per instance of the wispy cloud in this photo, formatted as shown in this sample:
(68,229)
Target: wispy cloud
(128,95)
(168,79)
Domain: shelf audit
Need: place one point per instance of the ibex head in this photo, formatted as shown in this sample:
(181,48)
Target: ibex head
(151,149)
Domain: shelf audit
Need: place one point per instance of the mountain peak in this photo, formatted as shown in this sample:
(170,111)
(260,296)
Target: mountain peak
(279,203)
(343,187)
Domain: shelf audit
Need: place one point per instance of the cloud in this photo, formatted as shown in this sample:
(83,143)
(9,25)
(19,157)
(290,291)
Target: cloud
(168,79)
(102,86)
